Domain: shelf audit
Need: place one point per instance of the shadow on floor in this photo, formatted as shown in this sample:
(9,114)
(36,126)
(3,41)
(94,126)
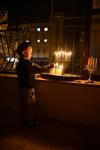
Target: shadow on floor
(49,135)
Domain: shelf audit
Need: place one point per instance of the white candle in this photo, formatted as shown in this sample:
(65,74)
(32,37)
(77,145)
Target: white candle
(96,63)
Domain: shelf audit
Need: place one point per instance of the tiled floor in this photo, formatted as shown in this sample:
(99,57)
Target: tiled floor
(49,135)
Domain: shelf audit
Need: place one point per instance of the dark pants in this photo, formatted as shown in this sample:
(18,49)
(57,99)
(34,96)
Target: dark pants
(28,105)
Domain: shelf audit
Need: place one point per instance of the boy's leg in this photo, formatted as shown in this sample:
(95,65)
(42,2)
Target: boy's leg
(30,103)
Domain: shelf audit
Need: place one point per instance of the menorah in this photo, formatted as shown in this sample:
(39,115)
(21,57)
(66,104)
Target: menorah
(61,60)
(91,67)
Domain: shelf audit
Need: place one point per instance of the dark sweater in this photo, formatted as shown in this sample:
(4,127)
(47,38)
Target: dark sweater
(26,72)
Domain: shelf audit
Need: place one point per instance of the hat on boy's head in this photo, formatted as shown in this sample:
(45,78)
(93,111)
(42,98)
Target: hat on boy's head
(22,46)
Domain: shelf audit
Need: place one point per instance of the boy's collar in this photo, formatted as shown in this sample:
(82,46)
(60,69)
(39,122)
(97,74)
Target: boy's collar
(26,58)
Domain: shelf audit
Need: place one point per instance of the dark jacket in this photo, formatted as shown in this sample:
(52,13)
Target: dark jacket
(26,72)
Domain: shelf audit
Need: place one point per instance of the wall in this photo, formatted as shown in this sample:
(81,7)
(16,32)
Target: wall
(9,93)
(72,102)
(60,100)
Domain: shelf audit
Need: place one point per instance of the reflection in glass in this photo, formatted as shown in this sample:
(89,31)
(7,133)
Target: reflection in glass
(96,4)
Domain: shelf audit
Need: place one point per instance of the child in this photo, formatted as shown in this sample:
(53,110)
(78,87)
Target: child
(26,71)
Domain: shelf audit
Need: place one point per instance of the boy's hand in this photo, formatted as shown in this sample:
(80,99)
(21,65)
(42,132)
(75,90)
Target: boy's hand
(52,65)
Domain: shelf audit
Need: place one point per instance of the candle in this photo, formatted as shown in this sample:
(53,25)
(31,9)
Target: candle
(92,63)
(95,62)
(89,61)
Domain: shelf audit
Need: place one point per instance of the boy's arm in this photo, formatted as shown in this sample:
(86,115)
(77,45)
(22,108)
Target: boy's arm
(39,69)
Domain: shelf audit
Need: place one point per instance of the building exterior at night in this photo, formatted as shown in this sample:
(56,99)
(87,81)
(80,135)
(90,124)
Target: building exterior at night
(58,31)
(47,37)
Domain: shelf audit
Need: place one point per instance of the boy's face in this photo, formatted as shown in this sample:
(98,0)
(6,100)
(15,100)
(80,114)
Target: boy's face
(28,53)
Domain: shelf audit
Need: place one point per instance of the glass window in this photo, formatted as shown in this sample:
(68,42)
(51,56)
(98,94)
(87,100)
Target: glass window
(38,29)
(38,40)
(46,29)
(96,4)
(45,40)
(95,36)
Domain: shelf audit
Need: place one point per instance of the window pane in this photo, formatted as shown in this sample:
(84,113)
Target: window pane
(96,4)
(95,38)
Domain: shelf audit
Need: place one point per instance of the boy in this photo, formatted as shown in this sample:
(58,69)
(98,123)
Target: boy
(26,71)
